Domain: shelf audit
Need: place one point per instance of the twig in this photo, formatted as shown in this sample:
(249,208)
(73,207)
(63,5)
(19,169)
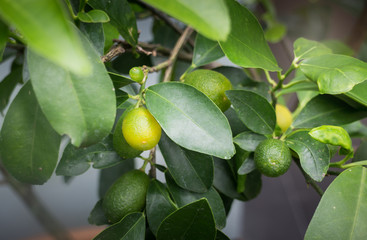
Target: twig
(153,170)
(115,51)
(34,204)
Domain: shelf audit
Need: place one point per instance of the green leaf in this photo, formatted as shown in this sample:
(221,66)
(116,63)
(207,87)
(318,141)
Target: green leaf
(275,33)
(94,33)
(93,16)
(110,33)
(333,135)
(130,227)
(248,140)
(97,216)
(221,236)
(236,75)
(338,47)
(183,197)
(334,73)
(304,49)
(314,155)
(297,84)
(7,86)
(29,146)
(213,22)
(358,93)
(76,161)
(236,124)
(190,170)
(119,81)
(247,166)
(246,45)
(339,214)
(253,110)
(3,38)
(121,98)
(57,40)
(158,205)
(183,112)
(193,221)
(361,152)
(326,110)
(205,51)
(82,107)
(121,16)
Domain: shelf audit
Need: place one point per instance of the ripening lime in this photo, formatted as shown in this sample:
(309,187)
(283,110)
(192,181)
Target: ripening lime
(126,195)
(213,84)
(140,129)
(272,157)
(284,117)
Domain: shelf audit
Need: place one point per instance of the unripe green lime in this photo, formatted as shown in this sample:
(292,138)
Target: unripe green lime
(272,157)
(213,84)
(136,74)
(126,195)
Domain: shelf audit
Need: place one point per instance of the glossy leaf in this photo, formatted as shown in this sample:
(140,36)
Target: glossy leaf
(248,140)
(213,22)
(7,86)
(340,213)
(334,73)
(326,110)
(94,33)
(57,40)
(158,205)
(183,197)
(314,155)
(82,107)
(236,124)
(358,93)
(304,48)
(253,110)
(119,81)
(338,47)
(190,170)
(93,16)
(247,166)
(246,45)
(205,51)
(76,161)
(121,16)
(29,146)
(130,227)
(333,135)
(193,221)
(190,119)
(97,216)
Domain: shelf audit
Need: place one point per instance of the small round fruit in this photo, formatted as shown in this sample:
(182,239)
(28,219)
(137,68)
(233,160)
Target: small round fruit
(136,74)
(213,84)
(126,195)
(272,157)
(284,117)
(140,129)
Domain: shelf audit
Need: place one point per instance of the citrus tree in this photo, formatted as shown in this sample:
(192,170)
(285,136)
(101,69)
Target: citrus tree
(85,80)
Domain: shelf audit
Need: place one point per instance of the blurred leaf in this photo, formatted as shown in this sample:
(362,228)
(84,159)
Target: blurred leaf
(3,38)
(97,216)
(304,49)
(110,33)
(193,221)
(246,45)
(159,205)
(94,33)
(314,155)
(121,16)
(361,152)
(82,107)
(356,129)
(275,32)
(248,140)
(213,22)
(183,197)
(205,51)
(7,86)
(93,16)
(338,47)
(76,161)
(334,73)
(326,110)
(119,81)
(183,112)
(130,227)
(339,214)
(164,34)
(29,146)
(57,40)
(190,170)
(253,110)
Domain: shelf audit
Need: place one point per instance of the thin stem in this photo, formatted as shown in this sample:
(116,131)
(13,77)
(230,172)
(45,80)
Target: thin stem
(270,80)
(341,162)
(71,9)
(353,164)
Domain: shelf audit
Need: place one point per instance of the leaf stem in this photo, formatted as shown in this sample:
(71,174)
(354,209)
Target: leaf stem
(353,164)
(270,80)
(340,164)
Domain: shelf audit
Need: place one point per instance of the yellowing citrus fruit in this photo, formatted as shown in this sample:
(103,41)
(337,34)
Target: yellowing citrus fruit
(126,195)
(272,157)
(140,129)
(213,84)
(284,117)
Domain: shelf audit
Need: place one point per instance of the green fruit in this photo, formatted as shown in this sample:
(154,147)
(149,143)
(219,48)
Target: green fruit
(136,74)
(126,195)
(212,84)
(120,145)
(272,157)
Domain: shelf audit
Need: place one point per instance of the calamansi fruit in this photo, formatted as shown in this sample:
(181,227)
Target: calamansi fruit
(126,195)
(272,157)
(213,84)
(140,129)
(284,117)
(136,74)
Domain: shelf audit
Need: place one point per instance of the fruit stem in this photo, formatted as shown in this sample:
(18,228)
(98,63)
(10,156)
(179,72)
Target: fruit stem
(142,91)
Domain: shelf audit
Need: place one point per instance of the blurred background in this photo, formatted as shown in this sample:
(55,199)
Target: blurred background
(285,205)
